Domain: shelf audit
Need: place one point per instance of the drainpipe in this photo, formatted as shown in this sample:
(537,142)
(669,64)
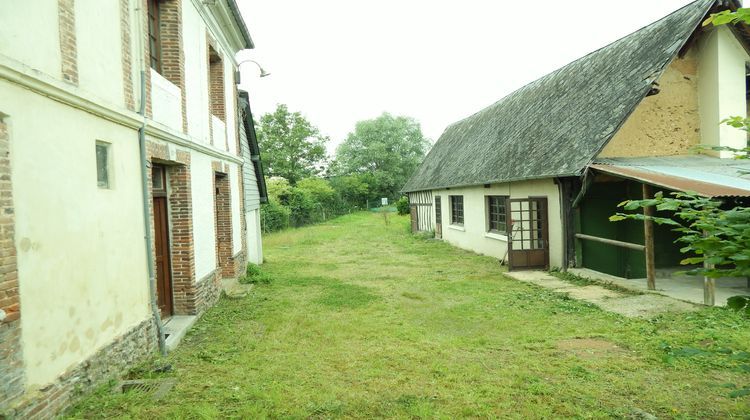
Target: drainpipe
(144,190)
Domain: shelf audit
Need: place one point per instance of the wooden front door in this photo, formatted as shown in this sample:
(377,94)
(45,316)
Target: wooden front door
(414,218)
(161,248)
(438,218)
(529,234)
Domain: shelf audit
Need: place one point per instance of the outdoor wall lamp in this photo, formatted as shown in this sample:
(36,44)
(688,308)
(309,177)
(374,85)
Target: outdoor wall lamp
(263,72)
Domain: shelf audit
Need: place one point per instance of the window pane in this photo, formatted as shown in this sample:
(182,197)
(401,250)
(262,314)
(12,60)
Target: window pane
(102,169)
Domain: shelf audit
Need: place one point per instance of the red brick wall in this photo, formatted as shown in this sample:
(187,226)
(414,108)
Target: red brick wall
(11,358)
(68,49)
(223,203)
(172,51)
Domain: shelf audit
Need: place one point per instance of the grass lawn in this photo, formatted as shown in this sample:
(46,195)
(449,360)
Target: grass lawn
(365,320)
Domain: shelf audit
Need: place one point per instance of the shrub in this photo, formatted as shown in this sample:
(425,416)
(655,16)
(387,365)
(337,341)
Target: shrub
(254,275)
(274,216)
(402,205)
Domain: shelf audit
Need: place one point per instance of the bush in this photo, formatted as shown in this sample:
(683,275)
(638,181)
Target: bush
(274,216)
(402,205)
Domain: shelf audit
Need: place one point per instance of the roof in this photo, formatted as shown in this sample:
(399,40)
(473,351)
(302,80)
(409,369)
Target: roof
(705,175)
(241,24)
(252,140)
(556,125)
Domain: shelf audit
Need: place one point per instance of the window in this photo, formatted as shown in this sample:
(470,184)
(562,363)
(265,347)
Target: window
(438,210)
(102,164)
(496,213)
(457,209)
(154,38)
(158,179)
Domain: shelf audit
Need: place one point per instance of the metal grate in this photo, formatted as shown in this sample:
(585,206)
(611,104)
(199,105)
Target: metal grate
(157,388)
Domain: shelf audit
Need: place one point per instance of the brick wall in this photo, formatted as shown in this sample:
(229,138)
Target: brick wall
(106,364)
(223,205)
(146,57)
(183,243)
(172,50)
(127,61)
(68,49)
(11,357)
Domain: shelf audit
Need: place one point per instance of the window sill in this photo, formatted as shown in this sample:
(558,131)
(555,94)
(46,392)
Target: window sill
(459,228)
(496,236)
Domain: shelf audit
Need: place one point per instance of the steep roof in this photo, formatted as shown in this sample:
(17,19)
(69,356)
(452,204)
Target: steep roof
(556,125)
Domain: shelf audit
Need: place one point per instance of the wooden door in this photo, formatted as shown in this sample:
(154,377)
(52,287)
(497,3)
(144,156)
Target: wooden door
(438,218)
(529,234)
(163,266)
(414,218)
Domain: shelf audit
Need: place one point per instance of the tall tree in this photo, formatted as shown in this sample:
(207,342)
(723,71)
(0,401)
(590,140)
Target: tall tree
(292,147)
(388,149)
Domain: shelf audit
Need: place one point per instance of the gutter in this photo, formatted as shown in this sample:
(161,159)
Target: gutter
(156,313)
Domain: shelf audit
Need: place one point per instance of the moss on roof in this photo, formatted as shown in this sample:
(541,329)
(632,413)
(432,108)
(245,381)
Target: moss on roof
(556,125)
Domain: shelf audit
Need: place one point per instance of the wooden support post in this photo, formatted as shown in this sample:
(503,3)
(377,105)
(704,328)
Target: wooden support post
(648,234)
(709,291)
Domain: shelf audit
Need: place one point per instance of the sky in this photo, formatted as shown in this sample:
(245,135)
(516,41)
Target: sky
(341,61)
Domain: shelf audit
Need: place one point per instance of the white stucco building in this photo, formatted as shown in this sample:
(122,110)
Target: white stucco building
(91,93)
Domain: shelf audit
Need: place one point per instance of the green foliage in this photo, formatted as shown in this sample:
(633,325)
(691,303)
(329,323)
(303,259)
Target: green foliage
(387,149)
(291,146)
(274,216)
(354,190)
(402,206)
(711,235)
(742,15)
(254,275)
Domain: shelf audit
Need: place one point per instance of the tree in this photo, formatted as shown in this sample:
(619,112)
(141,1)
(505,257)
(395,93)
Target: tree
(292,147)
(387,148)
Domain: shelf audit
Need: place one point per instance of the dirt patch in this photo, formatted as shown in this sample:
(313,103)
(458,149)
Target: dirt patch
(590,347)
(645,306)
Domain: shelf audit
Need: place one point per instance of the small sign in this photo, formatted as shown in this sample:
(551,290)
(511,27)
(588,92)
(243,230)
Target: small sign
(384,201)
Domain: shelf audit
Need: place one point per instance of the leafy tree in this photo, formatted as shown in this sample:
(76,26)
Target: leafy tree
(292,147)
(387,148)
(353,189)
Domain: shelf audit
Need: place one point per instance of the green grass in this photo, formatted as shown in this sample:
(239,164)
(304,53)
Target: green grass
(365,320)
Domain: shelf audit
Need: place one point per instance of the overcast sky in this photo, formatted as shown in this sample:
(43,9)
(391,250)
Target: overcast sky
(341,61)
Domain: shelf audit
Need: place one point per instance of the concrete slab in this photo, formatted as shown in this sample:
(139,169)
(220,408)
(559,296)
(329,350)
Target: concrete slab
(634,306)
(176,327)
(233,289)
(668,283)
(540,278)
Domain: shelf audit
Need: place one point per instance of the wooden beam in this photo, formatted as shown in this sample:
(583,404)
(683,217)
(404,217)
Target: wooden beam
(709,291)
(648,235)
(608,241)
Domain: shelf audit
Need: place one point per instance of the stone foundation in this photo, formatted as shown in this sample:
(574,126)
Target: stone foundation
(207,292)
(108,363)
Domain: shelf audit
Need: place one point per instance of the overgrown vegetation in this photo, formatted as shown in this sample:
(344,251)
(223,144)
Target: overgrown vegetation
(364,320)
(372,163)
(254,275)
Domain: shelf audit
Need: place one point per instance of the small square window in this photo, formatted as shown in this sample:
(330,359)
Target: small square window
(457,209)
(102,165)
(496,213)
(158,179)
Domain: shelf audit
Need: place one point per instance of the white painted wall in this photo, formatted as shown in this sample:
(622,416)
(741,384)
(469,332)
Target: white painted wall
(204,222)
(235,196)
(219,133)
(231,119)
(721,88)
(81,259)
(254,242)
(29,34)
(473,234)
(196,72)
(166,101)
(99,48)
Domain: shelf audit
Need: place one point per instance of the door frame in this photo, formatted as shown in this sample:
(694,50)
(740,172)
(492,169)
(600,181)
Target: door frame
(159,193)
(438,217)
(513,255)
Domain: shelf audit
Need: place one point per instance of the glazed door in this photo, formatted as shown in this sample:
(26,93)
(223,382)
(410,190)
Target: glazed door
(163,266)
(529,236)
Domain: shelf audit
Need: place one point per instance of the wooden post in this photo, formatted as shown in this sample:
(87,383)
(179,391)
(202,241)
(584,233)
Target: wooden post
(648,234)
(709,286)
